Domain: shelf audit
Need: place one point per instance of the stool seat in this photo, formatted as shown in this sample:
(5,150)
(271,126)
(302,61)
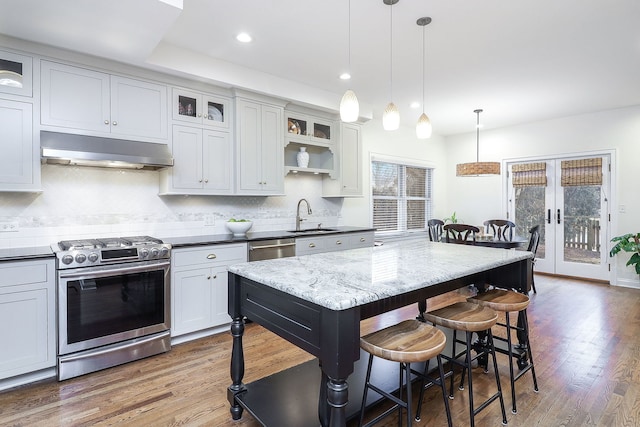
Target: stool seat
(463,316)
(501,300)
(408,342)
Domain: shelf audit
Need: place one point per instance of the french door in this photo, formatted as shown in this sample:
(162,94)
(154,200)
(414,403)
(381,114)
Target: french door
(569,199)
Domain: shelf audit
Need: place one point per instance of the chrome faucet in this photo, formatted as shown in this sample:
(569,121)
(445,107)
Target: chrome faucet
(298,219)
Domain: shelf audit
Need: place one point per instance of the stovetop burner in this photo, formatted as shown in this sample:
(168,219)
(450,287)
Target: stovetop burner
(108,242)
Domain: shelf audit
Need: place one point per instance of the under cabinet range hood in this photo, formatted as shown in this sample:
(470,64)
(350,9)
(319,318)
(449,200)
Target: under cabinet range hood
(81,150)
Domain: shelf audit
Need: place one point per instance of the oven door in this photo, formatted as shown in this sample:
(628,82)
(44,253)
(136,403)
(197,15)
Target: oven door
(103,305)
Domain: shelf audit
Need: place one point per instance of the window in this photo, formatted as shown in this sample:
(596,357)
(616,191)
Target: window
(401,197)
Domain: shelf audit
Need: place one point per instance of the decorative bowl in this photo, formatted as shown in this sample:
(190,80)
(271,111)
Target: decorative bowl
(239,228)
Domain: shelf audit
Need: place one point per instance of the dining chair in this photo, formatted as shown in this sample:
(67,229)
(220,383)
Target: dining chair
(460,233)
(502,229)
(534,239)
(435,229)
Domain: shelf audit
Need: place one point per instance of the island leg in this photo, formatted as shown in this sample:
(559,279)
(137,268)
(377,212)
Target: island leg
(237,368)
(337,398)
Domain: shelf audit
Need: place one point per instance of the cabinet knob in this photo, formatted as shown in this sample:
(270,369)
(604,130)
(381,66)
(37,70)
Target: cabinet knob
(115,123)
(106,122)
(215,276)
(199,180)
(211,256)
(338,242)
(312,245)
(206,181)
(208,277)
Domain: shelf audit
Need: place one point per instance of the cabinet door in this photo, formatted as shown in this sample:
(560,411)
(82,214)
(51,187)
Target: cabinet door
(350,162)
(17,162)
(138,108)
(74,97)
(272,150)
(16,74)
(218,159)
(192,295)
(187,158)
(186,106)
(249,161)
(219,300)
(217,111)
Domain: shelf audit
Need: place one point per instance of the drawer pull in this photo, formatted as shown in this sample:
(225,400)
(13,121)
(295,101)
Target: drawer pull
(362,239)
(211,256)
(338,242)
(312,245)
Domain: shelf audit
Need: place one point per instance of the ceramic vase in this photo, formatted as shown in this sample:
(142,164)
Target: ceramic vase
(303,158)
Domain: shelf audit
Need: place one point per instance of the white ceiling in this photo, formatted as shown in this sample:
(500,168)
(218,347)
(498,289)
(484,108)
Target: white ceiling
(521,61)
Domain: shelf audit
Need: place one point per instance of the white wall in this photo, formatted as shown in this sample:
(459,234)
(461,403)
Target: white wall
(476,199)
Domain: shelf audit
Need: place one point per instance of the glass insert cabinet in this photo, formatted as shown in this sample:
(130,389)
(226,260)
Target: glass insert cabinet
(16,74)
(315,136)
(201,108)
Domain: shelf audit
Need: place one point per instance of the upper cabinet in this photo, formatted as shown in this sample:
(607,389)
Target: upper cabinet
(313,135)
(308,129)
(259,148)
(347,181)
(16,74)
(87,101)
(20,160)
(201,108)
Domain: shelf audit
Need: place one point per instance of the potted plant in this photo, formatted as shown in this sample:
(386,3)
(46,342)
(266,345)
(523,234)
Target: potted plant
(453,219)
(628,243)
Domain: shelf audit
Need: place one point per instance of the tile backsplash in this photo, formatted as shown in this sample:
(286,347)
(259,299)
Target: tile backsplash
(94,202)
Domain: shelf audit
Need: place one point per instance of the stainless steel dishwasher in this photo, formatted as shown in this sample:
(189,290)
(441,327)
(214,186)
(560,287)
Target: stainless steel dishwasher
(269,249)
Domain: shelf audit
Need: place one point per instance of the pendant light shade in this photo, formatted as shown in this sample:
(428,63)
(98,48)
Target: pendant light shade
(349,107)
(478,168)
(423,127)
(391,117)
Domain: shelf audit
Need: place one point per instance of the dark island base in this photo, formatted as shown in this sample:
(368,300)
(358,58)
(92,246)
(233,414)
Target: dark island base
(290,398)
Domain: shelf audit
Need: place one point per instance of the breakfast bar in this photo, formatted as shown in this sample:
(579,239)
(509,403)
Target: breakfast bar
(317,302)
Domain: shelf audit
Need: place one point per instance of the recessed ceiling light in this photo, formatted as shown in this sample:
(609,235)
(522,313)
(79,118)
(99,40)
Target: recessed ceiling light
(345,76)
(415,104)
(244,38)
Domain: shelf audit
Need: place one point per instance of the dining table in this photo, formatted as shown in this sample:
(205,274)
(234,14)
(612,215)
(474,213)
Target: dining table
(316,302)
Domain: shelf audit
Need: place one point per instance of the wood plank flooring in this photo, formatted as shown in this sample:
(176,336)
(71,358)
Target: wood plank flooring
(585,338)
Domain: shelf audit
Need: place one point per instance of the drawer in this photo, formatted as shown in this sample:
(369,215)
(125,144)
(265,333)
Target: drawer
(361,240)
(209,255)
(310,245)
(24,272)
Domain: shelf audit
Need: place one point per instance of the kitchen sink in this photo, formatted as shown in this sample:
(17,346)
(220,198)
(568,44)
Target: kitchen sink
(314,230)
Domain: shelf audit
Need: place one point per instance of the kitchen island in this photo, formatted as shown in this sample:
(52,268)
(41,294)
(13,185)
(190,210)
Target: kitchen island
(316,302)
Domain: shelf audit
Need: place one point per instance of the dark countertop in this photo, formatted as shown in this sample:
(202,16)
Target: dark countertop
(18,254)
(214,239)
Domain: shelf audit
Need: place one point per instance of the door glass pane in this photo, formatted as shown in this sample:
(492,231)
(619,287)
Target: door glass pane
(529,211)
(10,73)
(187,106)
(582,224)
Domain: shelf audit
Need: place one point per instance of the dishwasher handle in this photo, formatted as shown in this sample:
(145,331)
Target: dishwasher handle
(281,245)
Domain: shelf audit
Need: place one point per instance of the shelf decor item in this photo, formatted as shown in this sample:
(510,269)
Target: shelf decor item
(302,158)
(239,227)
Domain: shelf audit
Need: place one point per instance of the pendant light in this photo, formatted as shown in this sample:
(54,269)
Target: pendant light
(349,106)
(391,115)
(423,128)
(478,168)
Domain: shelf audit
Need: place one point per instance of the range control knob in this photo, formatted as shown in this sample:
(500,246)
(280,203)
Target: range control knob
(93,257)
(144,252)
(67,259)
(154,252)
(80,258)
(164,252)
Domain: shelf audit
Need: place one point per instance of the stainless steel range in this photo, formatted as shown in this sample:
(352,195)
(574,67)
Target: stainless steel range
(113,302)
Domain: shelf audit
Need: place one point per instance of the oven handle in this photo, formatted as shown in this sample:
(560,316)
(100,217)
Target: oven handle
(114,271)
(134,343)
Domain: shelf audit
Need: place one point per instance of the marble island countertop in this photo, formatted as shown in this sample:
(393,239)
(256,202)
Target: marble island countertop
(345,279)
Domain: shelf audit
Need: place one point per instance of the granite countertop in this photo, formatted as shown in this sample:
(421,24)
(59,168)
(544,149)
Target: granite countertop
(345,279)
(213,239)
(18,254)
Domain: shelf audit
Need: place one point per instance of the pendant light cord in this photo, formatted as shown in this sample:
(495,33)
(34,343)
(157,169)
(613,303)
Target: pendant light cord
(391,54)
(349,36)
(423,66)
(478,136)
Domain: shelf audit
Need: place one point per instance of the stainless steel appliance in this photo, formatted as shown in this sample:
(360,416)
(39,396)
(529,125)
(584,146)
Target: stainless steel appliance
(113,302)
(269,249)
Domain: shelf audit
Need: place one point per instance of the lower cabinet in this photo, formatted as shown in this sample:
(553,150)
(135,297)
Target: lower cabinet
(199,286)
(333,242)
(27,316)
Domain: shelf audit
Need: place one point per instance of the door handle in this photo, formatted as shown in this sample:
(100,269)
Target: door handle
(548,216)
(558,216)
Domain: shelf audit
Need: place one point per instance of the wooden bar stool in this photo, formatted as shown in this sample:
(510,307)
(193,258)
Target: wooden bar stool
(507,302)
(407,342)
(470,318)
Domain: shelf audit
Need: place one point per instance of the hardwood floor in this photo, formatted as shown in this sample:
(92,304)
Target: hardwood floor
(585,339)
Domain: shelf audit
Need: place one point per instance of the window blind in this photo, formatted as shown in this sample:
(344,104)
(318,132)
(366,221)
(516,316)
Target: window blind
(581,172)
(529,175)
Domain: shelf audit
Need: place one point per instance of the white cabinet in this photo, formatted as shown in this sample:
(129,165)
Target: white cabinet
(27,316)
(348,178)
(16,74)
(318,138)
(199,286)
(82,100)
(19,162)
(259,157)
(334,242)
(203,162)
(201,108)
(304,128)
